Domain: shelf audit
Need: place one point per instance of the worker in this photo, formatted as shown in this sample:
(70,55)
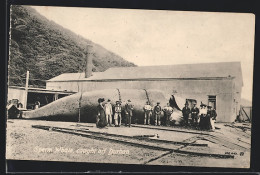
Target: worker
(212,115)
(128,112)
(203,114)
(186,112)
(37,105)
(147,113)
(117,116)
(20,105)
(101,115)
(109,112)
(168,110)
(157,114)
(208,119)
(195,114)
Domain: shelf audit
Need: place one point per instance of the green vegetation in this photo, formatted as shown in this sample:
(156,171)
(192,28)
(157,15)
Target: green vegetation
(47,49)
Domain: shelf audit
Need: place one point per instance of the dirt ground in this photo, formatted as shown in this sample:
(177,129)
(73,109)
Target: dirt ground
(26,143)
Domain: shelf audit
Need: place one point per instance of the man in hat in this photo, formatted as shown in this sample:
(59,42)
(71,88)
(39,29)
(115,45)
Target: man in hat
(101,115)
(194,114)
(186,113)
(168,110)
(147,113)
(157,113)
(203,114)
(117,116)
(109,112)
(128,112)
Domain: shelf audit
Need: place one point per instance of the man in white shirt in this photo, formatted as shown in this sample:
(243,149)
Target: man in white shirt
(118,116)
(147,113)
(109,112)
(37,105)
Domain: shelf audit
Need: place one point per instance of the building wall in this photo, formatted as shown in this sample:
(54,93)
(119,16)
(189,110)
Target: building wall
(224,90)
(237,88)
(15,93)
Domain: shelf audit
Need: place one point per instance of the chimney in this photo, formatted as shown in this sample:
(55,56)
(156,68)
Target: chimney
(89,57)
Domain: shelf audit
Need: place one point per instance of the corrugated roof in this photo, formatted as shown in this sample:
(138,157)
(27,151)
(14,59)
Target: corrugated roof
(72,76)
(202,70)
(30,89)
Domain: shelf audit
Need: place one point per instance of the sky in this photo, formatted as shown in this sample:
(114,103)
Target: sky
(161,37)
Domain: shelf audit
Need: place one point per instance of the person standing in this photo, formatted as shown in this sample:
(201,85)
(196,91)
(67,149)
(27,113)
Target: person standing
(37,105)
(128,112)
(212,115)
(186,112)
(101,115)
(109,112)
(117,116)
(195,114)
(168,110)
(203,114)
(147,113)
(208,119)
(214,118)
(157,112)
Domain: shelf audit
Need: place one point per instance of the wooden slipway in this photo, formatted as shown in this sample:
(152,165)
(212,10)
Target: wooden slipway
(162,145)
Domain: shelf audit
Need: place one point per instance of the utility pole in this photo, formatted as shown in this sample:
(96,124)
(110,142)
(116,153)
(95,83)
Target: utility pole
(26,89)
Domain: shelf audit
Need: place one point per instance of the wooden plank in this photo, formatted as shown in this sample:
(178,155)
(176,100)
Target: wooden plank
(170,129)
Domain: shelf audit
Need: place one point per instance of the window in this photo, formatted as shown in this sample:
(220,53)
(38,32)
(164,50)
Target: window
(212,101)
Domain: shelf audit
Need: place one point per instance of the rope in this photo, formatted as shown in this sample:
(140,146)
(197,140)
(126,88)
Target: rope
(147,96)
(119,95)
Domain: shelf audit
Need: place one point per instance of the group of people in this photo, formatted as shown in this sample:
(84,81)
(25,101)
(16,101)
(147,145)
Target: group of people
(159,114)
(203,118)
(105,113)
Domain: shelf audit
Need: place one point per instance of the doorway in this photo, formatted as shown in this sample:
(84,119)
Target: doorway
(212,101)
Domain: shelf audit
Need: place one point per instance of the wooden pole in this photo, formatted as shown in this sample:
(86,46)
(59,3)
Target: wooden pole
(80,105)
(26,89)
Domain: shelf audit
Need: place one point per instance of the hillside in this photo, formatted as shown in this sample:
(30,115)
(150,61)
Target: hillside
(47,49)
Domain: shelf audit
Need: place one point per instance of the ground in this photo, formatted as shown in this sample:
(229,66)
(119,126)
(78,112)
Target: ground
(92,144)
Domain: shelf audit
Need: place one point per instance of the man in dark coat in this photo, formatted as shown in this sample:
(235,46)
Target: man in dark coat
(212,115)
(194,114)
(128,112)
(101,115)
(186,112)
(157,114)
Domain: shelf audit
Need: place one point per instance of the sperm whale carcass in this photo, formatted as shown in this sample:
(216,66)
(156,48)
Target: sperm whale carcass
(82,106)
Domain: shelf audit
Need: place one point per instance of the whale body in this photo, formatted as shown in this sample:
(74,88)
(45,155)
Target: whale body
(82,106)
